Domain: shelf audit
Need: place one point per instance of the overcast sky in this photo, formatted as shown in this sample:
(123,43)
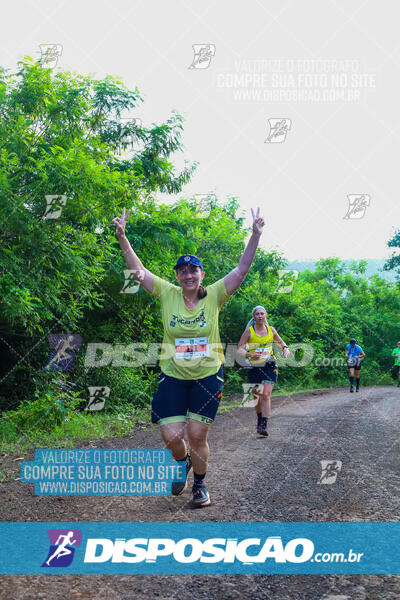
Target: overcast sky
(293,106)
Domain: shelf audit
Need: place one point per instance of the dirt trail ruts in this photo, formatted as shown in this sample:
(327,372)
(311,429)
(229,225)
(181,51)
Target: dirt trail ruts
(250,478)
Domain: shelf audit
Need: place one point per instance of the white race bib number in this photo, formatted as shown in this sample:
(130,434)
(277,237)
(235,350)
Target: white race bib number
(353,361)
(262,353)
(191,347)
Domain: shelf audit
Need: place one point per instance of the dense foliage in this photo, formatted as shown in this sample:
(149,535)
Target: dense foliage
(63,135)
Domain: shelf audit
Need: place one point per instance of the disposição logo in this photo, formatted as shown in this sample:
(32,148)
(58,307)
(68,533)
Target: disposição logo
(61,551)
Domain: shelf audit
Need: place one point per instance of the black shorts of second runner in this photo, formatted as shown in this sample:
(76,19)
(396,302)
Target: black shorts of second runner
(264,374)
(178,399)
(356,365)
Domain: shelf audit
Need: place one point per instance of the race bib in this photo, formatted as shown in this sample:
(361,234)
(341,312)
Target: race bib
(265,352)
(262,353)
(191,347)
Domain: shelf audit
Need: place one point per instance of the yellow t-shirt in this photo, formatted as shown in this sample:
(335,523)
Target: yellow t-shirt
(191,346)
(263,342)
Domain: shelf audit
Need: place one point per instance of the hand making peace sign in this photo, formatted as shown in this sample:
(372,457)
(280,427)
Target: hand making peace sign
(120,223)
(258,222)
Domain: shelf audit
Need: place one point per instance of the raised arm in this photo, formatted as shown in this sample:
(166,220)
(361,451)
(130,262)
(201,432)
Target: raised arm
(236,276)
(143,275)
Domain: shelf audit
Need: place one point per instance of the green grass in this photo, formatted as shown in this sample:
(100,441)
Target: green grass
(81,427)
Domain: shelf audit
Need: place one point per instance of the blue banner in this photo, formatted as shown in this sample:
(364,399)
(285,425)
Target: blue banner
(204,548)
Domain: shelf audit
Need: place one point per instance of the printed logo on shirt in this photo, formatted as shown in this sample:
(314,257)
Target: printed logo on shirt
(200,319)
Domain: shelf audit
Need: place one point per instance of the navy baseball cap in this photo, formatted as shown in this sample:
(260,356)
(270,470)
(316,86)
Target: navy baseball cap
(188,259)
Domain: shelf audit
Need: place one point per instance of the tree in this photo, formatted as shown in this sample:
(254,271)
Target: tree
(393,263)
(68,164)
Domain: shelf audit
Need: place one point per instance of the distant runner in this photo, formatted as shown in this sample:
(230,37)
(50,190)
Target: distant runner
(191,378)
(396,354)
(354,354)
(260,336)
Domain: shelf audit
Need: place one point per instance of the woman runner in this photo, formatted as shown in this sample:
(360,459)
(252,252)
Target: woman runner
(260,336)
(191,378)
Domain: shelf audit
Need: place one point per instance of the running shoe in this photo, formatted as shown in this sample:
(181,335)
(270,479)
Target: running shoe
(352,389)
(262,429)
(262,426)
(398,385)
(200,496)
(178,487)
(358,388)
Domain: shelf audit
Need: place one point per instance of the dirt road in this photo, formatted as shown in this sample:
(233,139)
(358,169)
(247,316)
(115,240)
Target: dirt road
(250,478)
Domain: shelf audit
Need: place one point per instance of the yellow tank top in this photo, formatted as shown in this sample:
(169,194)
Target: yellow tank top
(261,341)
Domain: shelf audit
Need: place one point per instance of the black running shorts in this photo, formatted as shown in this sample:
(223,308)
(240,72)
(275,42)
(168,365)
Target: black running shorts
(265,374)
(353,363)
(178,399)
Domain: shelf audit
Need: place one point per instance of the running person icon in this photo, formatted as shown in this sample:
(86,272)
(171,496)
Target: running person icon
(260,336)
(190,384)
(62,550)
(396,354)
(62,354)
(354,354)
